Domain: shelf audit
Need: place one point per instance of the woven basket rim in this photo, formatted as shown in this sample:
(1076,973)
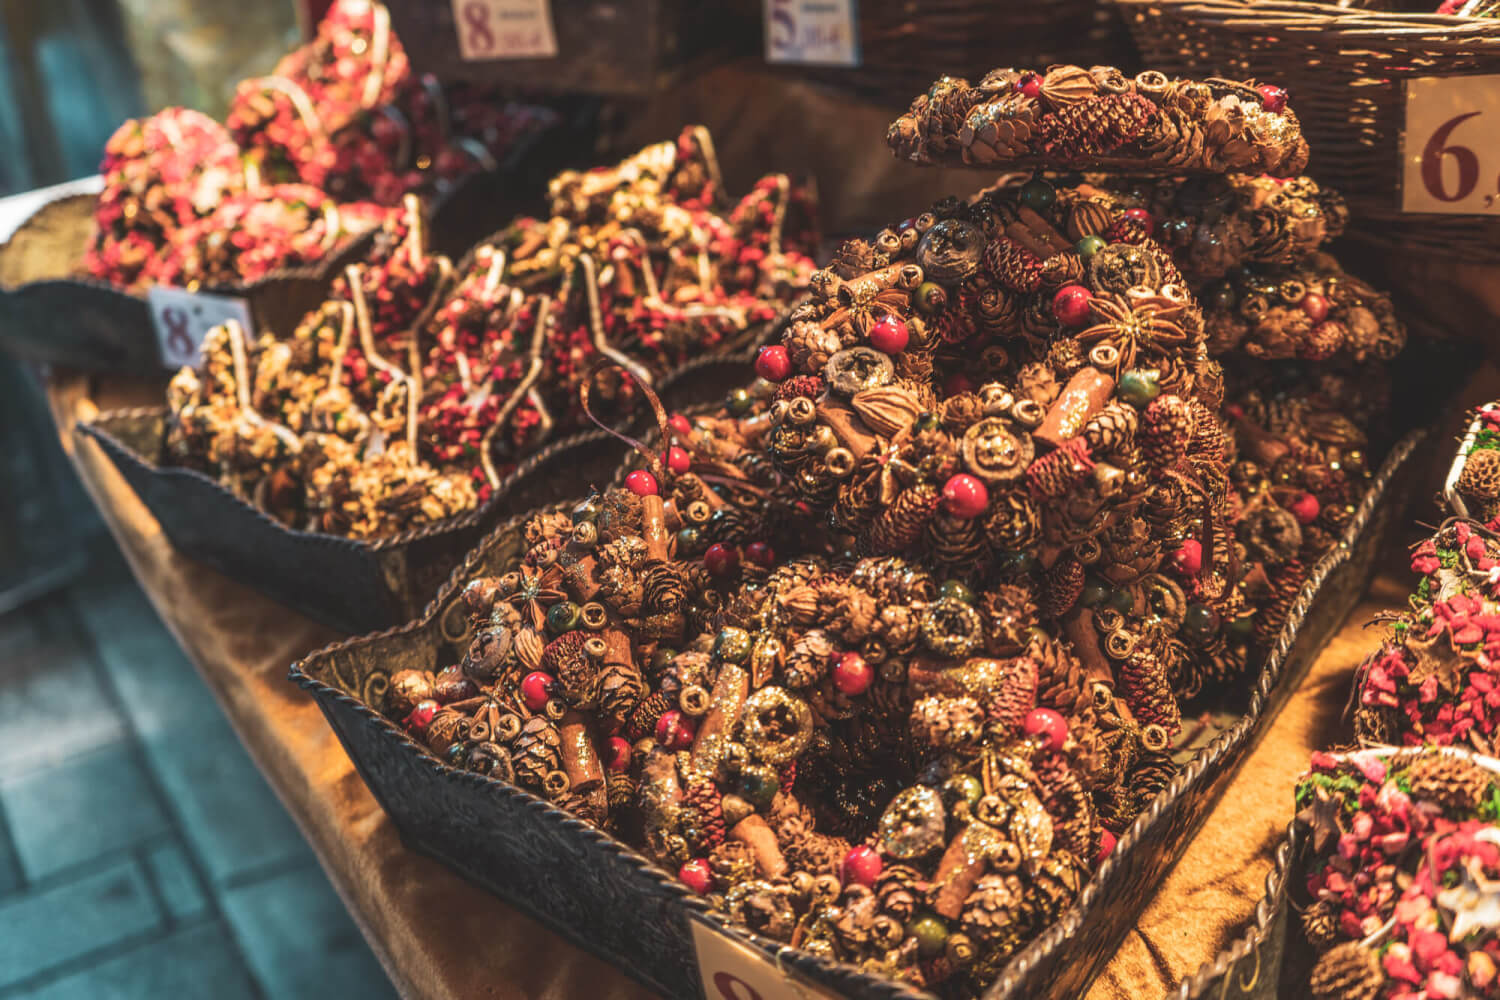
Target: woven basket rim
(1372,29)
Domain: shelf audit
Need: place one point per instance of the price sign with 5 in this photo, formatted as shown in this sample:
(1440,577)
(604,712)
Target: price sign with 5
(1451,148)
(182,319)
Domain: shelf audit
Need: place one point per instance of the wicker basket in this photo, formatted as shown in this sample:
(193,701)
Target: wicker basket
(906,44)
(1346,72)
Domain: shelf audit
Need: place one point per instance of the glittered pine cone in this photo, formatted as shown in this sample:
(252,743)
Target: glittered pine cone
(947,723)
(536,752)
(1347,972)
(1480,476)
(643,719)
(576,671)
(1013,266)
(1457,785)
(1009,614)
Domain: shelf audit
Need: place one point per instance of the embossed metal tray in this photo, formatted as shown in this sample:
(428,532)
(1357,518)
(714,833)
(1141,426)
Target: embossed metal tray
(610,900)
(351,584)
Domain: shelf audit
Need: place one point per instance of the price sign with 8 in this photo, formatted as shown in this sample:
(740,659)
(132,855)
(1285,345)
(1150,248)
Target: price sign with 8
(182,319)
(1451,148)
(504,29)
(735,971)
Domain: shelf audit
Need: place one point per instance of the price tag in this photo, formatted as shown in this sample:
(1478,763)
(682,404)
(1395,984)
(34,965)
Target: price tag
(182,319)
(735,971)
(812,32)
(1451,149)
(504,29)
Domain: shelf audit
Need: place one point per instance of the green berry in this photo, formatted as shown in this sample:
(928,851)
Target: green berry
(962,788)
(564,617)
(1095,591)
(732,645)
(931,934)
(1200,621)
(1139,386)
(688,540)
(1037,195)
(931,297)
(739,402)
(927,421)
(1089,245)
(956,588)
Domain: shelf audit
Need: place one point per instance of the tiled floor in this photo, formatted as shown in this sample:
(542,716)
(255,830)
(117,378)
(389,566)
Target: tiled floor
(141,853)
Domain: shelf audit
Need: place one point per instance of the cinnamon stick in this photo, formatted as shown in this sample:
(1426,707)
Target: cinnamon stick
(754,832)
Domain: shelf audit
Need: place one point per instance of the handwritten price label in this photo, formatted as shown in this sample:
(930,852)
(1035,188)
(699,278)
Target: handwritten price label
(504,29)
(1451,150)
(182,319)
(812,32)
(734,971)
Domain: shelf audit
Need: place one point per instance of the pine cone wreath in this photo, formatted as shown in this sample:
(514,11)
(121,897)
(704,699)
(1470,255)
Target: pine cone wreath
(1449,781)
(1348,972)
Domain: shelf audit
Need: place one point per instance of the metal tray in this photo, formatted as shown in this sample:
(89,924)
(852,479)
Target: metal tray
(611,901)
(354,585)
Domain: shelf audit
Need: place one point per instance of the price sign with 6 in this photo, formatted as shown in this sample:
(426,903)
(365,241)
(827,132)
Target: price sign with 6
(735,971)
(182,319)
(1451,148)
(504,29)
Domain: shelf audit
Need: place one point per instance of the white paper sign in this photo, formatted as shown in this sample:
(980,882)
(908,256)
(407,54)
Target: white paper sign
(504,29)
(734,971)
(182,319)
(812,32)
(1451,149)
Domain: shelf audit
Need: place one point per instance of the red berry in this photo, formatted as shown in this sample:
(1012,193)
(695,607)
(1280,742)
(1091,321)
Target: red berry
(1188,559)
(678,460)
(421,716)
(1047,723)
(619,754)
(1143,217)
(675,731)
(1031,85)
(641,483)
(760,553)
(721,559)
(1106,846)
(680,424)
(965,496)
(852,675)
(1272,97)
(890,334)
(861,865)
(1306,508)
(773,363)
(536,690)
(1315,306)
(696,876)
(1071,305)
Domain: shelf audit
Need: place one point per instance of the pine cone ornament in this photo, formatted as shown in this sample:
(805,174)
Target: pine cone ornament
(1480,476)
(810,346)
(1013,266)
(1058,471)
(1286,584)
(1009,613)
(955,544)
(1451,782)
(703,814)
(1061,587)
(1320,924)
(643,720)
(1014,694)
(1112,430)
(1014,522)
(1099,125)
(1348,972)
(1053,889)
(577,672)
(1060,678)
(732,862)
(902,524)
(992,912)
(1210,438)
(1145,688)
(1153,771)
(1166,431)
(1068,803)
(536,753)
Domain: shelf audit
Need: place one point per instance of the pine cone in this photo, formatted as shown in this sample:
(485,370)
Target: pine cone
(1321,925)
(537,752)
(1175,140)
(955,544)
(1481,474)
(731,863)
(992,913)
(996,310)
(1013,266)
(1014,694)
(1112,430)
(902,524)
(1068,804)
(1060,678)
(1286,583)
(1348,972)
(1052,891)
(810,346)
(577,672)
(800,387)
(946,723)
(999,129)
(1144,686)
(1009,613)
(810,659)
(1451,782)
(1057,472)
(1211,438)
(1153,771)
(855,257)
(1014,522)
(1127,229)
(620,690)
(1080,133)
(1166,430)
(1323,341)
(1089,217)
(643,720)
(1061,587)
(703,814)
(899,890)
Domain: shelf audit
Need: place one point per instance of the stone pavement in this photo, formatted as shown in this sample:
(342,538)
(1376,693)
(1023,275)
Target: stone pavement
(142,855)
